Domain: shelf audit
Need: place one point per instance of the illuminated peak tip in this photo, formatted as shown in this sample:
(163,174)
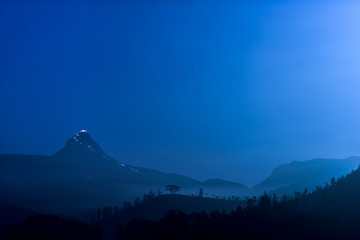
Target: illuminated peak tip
(83,131)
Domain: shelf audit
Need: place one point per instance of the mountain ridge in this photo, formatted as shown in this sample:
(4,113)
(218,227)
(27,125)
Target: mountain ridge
(298,175)
(79,176)
(82,175)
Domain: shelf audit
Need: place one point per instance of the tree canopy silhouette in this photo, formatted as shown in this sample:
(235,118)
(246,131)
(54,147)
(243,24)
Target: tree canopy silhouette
(172,188)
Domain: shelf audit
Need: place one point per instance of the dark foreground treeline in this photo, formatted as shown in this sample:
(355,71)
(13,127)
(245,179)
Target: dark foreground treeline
(46,227)
(330,212)
(177,225)
(154,207)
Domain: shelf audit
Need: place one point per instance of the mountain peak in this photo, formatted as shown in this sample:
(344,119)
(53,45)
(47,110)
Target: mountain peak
(82,135)
(82,141)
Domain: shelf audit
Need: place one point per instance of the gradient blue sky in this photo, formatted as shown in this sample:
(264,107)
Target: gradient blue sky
(227,89)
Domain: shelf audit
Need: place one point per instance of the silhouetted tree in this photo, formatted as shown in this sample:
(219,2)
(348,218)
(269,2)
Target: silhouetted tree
(137,201)
(250,202)
(98,214)
(239,211)
(284,198)
(305,192)
(126,205)
(106,212)
(116,210)
(297,195)
(173,188)
(264,203)
(274,200)
(214,214)
(150,195)
(201,192)
(333,181)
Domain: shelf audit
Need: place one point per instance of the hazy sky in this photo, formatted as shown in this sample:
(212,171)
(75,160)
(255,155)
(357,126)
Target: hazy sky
(226,89)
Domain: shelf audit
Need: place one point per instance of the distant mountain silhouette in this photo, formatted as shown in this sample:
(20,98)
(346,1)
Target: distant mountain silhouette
(297,176)
(226,188)
(216,182)
(330,212)
(81,177)
(81,143)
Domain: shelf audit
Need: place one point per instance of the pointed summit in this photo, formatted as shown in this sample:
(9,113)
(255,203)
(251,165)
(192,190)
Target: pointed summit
(81,142)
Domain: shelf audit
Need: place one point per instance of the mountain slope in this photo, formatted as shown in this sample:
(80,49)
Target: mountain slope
(295,176)
(78,177)
(224,188)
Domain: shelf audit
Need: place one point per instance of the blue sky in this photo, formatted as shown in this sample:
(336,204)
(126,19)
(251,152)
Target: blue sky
(224,89)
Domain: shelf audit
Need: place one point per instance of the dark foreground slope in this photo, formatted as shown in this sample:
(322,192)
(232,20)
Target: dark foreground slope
(155,207)
(332,212)
(108,222)
(52,227)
